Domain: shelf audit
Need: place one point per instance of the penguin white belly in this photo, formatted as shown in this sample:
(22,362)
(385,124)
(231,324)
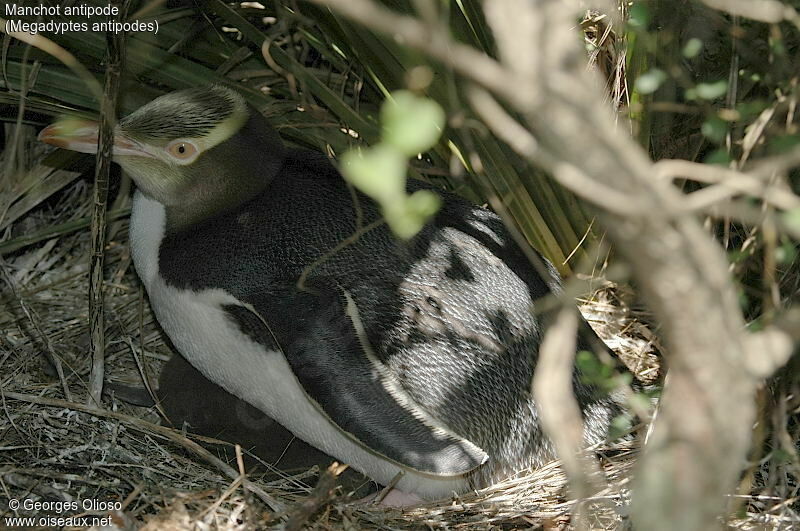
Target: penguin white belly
(203,333)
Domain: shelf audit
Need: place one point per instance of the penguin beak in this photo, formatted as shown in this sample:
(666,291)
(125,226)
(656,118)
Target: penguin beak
(81,135)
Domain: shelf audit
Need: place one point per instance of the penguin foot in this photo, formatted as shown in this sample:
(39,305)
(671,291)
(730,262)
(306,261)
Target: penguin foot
(398,498)
(394,498)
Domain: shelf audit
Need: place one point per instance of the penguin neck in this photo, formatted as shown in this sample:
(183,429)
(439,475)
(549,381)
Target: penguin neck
(184,216)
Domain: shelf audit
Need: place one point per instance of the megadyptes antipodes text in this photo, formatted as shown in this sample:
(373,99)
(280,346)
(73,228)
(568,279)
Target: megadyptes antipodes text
(412,357)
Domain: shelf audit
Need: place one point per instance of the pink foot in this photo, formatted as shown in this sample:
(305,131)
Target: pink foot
(395,498)
(398,498)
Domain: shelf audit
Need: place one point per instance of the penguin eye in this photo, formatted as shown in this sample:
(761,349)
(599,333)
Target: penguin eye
(182,150)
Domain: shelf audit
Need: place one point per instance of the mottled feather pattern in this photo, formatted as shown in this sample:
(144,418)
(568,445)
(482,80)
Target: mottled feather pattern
(448,313)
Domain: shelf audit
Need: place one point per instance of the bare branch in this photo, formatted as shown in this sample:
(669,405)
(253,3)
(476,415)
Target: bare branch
(560,414)
(707,197)
(771,11)
(767,351)
(732,182)
(789,322)
(776,164)
(323,494)
(752,215)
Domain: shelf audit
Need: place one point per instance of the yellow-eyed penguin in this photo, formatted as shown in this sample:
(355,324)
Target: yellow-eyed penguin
(412,357)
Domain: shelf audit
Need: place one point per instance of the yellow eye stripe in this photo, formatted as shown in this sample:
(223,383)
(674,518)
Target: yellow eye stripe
(222,132)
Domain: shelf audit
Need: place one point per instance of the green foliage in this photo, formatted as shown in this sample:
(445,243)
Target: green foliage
(786,254)
(714,129)
(792,218)
(708,91)
(720,157)
(379,172)
(620,425)
(692,48)
(649,82)
(702,86)
(639,15)
(603,375)
(783,143)
(410,125)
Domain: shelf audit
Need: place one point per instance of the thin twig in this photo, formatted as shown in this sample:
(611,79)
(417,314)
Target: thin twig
(776,164)
(748,214)
(114,60)
(141,366)
(388,488)
(301,282)
(713,195)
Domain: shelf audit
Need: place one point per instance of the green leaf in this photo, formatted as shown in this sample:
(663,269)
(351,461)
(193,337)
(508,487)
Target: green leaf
(737,256)
(407,217)
(714,129)
(620,425)
(781,456)
(379,172)
(692,48)
(748,109)
(778,46)
(711,91)
(640,401)
(594,372)
(792,218)
(649,82)
(720,157)
(424,203)
(639,15)
(786,254)
(783,143)
(410,123)
(756,325)
(744,304)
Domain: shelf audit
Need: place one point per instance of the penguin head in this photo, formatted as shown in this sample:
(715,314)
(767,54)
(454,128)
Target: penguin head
(196,146)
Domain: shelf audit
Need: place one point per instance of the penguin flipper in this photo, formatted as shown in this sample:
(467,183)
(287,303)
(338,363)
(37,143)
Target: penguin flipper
(353,389)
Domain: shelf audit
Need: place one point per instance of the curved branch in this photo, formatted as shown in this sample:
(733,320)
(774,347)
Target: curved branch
(730,183)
